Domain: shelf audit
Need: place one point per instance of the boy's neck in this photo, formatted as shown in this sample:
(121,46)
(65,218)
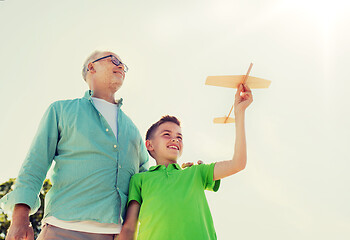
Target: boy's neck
(165,162)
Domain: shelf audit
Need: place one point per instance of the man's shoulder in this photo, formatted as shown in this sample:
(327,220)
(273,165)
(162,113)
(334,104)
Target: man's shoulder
(62,102)
(66,107)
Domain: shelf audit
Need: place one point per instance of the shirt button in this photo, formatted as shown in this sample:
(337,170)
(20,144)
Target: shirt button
(115,146)
(120,166)
(117,188)
(107,129)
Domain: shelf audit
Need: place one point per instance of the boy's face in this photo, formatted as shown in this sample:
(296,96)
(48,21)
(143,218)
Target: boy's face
(166,144)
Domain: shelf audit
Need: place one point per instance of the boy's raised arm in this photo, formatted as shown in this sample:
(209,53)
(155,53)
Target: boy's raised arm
(243,99)
(130,224)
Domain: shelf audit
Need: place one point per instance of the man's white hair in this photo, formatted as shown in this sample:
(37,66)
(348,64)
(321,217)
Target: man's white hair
(88,60)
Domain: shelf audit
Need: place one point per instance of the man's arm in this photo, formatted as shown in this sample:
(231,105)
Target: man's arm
(130,224)
(20,227)
(144,157)
(243,99)
(24,199)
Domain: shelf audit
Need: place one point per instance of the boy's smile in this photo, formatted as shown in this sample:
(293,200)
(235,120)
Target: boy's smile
(173,146)
(166,144)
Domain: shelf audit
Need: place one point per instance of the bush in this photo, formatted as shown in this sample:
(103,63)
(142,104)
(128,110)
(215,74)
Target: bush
(35,219)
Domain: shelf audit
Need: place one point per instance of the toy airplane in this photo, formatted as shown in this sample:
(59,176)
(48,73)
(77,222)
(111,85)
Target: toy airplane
(233,82)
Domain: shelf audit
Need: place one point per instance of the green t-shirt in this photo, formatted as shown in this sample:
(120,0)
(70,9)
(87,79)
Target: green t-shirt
(173,203)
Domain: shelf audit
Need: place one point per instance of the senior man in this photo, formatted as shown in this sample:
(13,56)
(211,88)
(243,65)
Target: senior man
(96,149)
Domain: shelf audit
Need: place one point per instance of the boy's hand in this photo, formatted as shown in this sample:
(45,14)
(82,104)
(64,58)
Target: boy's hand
(130,224)
(243,98)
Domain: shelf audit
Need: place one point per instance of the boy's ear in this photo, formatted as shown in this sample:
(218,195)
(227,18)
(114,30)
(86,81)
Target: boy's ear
(149,145)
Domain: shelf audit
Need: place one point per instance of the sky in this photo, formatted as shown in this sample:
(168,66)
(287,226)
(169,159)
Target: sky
(295,185)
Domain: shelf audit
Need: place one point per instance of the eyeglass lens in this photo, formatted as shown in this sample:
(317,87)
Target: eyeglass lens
(117,62)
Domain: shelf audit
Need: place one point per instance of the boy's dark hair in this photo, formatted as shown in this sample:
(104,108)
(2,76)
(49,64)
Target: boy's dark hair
(164,119)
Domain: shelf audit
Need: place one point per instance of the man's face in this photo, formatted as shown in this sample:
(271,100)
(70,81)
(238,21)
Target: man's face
(106,73)
(166,143)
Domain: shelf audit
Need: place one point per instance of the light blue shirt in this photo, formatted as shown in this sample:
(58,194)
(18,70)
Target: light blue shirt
(90,179)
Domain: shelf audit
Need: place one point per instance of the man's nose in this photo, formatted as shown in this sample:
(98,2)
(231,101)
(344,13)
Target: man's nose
(174,140)
(121,66)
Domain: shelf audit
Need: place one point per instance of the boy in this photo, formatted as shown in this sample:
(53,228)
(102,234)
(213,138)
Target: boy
(170,202)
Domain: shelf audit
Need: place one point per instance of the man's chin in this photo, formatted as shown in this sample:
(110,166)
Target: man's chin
(116,86)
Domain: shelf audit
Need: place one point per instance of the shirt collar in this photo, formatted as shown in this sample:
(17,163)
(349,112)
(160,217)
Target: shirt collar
(89,93)
(170,167)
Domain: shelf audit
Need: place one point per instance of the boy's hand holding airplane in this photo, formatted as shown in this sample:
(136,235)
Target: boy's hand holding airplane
(243,99)
(243,96)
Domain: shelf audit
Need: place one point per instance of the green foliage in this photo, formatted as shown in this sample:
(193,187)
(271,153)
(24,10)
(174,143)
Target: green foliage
(35,219)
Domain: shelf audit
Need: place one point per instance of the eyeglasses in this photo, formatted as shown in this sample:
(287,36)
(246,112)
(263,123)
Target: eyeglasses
(115,61)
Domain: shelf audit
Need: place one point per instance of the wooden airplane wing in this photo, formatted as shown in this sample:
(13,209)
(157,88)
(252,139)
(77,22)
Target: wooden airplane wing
(233,81)
(224,120)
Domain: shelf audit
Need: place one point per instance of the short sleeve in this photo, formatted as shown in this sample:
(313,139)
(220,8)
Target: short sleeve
(135,189)
(207,173)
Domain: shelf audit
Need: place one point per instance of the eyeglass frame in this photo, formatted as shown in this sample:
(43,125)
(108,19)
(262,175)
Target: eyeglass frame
(114,60)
